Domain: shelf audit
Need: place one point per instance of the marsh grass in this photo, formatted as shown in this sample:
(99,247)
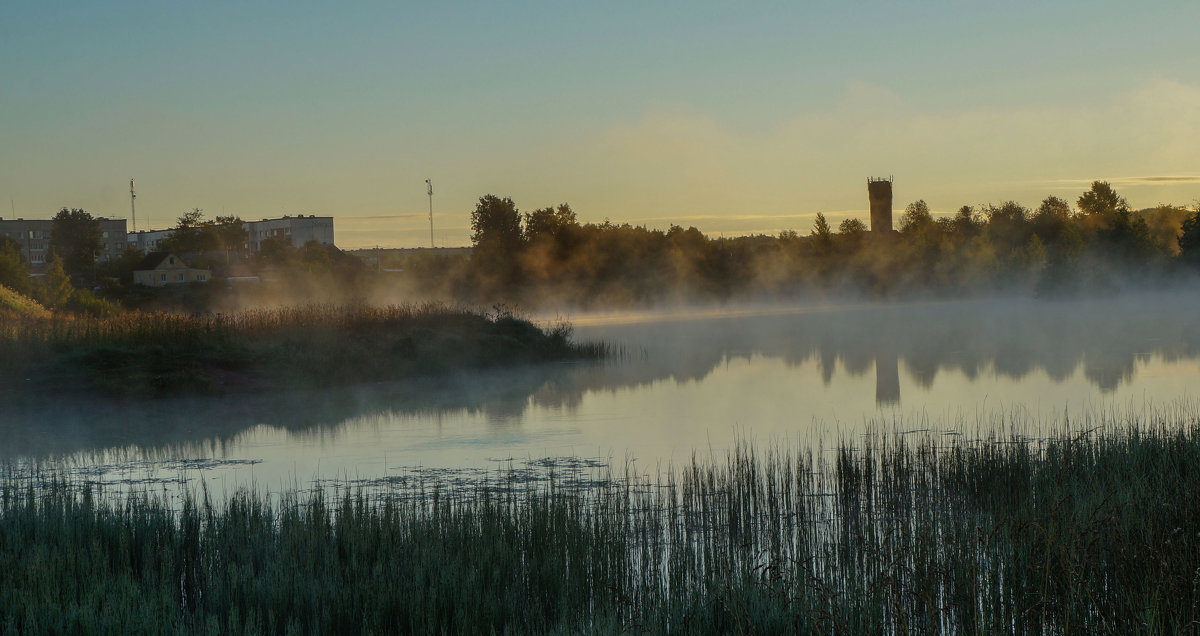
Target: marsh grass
(140,354)
(1093,532)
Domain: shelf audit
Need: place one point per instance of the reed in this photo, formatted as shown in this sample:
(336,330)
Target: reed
(1094,532)
(138,354)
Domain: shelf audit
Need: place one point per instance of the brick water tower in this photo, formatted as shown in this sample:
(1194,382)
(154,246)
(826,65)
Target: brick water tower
(880,191)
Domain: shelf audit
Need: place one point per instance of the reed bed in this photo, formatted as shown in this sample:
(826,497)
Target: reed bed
(139,354)
(1095,532)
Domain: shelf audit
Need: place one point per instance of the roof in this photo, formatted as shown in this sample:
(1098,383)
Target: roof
(154,259)
(151,260)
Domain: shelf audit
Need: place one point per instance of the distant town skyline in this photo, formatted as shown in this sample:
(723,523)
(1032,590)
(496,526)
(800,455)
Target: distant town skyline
(735,119)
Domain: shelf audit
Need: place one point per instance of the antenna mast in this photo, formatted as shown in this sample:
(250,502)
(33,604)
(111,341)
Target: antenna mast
(132,207)
(429,185)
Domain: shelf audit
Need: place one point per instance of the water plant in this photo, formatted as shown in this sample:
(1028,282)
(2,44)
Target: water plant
(1082,532)
(140,354)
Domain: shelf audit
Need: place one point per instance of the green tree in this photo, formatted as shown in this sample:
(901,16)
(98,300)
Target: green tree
(851,227)
(1101,200)
(965,224)
(191,234)
(550,223)
(13,273)
(75,238)
(232,235)
(496,224)
(822,235)
(53,290)
(1050,219)
(1189,239)
(916,217)
(1007,227)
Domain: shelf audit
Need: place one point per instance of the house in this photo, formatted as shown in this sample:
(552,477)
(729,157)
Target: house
(165,268)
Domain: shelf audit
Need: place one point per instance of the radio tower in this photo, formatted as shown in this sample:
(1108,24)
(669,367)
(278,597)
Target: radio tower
(429,185)
(132,207)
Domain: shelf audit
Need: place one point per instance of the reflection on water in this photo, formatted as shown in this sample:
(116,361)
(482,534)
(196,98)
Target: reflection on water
(887,377)
(685,385)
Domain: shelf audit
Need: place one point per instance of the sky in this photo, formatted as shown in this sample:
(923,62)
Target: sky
(736,118)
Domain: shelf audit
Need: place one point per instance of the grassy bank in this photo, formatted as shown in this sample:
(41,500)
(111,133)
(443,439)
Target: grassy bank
(1090,533)
(141,355)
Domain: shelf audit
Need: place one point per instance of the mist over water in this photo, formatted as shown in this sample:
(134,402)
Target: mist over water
(686,381)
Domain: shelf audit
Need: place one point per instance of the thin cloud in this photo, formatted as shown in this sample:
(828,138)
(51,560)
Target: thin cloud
(384,216)
(1126,181)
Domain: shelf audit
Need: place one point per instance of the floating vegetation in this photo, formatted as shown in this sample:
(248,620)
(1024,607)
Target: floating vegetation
(902,533)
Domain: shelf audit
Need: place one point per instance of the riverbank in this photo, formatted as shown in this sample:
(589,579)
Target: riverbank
(139,355)
(899,534)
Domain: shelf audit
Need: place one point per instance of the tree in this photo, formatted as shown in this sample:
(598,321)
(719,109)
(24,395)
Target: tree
(1189,239)
(965,225)
(916,216)
(191,234)
(13,274)
(1101,200)
(1007,226)
(851,227)
(1051,218)
(551,223)
(53,289)
(75,238)
(821,234)
(496,225)
(231,234)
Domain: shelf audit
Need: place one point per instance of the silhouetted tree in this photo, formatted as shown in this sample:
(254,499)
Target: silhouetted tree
(1101,200)
(1051,218)
(1007,226)
(1189,239)
(76,240)
(916,217)
(1128,239)
(822,235)
(553,223)
(191,234)
(497,240)
(851,226)
(496,225)
(231,234)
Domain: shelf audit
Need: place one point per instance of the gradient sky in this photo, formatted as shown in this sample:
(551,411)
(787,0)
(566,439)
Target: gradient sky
(729,118)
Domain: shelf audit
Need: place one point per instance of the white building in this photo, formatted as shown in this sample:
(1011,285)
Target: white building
(299,229)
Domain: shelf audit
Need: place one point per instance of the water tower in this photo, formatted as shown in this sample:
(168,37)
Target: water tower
(880,191)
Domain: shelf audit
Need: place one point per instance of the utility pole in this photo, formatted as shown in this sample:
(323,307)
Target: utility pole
(132,207)
(429,185)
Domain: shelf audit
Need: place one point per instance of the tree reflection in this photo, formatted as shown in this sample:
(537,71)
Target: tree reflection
(1010,339)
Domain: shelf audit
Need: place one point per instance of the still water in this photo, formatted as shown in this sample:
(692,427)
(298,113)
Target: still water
(684,383)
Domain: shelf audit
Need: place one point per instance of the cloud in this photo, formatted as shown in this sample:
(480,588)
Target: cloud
(1127,181)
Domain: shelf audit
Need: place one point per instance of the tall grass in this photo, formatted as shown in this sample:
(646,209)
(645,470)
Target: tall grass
(1081,533)
(140,354)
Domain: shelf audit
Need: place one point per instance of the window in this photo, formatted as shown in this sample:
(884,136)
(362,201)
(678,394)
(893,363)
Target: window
(104,235)
(164,278)
(172,260)
(201,277)
(180,278)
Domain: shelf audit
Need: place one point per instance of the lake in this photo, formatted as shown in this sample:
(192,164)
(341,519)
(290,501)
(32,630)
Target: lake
(685,382)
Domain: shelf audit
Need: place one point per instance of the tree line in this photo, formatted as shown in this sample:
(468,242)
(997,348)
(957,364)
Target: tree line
(1099,245)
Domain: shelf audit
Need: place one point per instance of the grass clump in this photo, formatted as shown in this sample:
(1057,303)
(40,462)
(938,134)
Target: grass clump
(1079,533)
(138,355)
(15,305)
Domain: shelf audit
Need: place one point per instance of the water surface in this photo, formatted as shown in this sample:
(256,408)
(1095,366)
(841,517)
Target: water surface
(686,382)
